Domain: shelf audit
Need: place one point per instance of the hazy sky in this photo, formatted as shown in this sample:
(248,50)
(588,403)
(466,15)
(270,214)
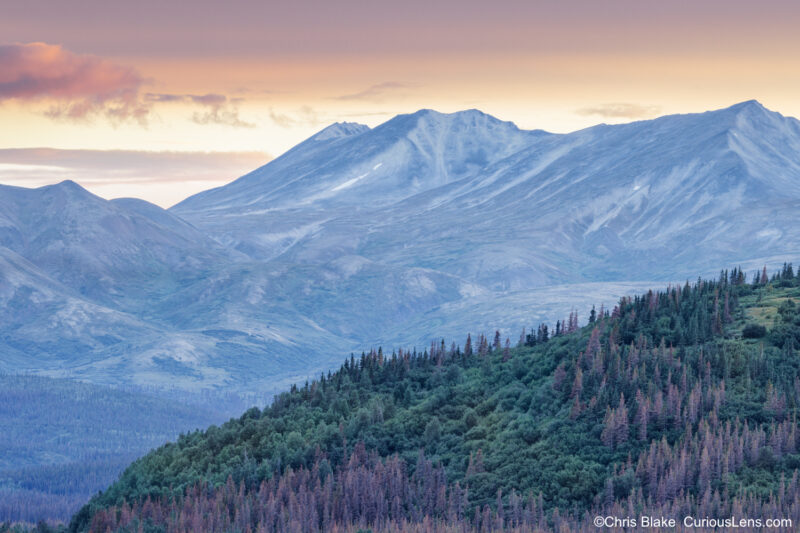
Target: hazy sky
(104,84)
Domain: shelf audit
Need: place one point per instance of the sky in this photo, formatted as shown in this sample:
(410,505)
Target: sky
(163,99)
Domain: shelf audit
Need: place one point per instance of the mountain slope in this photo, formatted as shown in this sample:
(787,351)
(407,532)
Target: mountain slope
(408,154)
(46,326)
(359,237)
(610,202)
(99,248)
(347,168)
(674,402)
(80,283)
(651,200)
(598,204)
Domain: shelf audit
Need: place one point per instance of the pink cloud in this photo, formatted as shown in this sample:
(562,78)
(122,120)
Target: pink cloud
(78,86)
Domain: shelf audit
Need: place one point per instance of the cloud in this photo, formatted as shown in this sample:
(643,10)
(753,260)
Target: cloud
(78,86)
(620,110)
(224,114)
(305,115)
(377,92)
(218,108)
(281,119)
(163,98)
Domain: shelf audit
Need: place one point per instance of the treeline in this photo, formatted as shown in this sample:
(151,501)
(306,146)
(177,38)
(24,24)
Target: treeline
(660,404)
(56,492)
(370,494)
(62,441)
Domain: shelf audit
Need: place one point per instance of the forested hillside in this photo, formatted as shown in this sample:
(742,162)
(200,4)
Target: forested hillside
(676,402)
(62,441)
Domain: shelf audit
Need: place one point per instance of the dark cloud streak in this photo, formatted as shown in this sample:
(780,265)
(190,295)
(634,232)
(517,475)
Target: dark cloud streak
(218,108)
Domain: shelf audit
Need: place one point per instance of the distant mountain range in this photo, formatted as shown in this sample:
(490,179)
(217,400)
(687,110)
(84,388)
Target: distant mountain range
(358,237)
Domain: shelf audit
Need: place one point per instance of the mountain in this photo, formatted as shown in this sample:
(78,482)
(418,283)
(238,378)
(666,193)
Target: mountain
(490,230)
(677,403)
(48,327)
(361,237)
(541,214)
(349,168)
(111,252)
(351,164)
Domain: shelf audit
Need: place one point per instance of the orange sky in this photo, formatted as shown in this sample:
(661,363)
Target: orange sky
(182,78)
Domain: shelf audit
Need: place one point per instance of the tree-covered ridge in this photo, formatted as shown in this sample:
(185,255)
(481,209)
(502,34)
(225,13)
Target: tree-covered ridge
(672,400)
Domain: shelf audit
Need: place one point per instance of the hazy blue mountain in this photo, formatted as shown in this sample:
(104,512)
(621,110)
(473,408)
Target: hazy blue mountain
(348,168)
(102,249)
(506,237)
(647,200)
(359,237)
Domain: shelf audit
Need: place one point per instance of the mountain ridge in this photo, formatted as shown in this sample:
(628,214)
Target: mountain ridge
(372,235)
(412,135)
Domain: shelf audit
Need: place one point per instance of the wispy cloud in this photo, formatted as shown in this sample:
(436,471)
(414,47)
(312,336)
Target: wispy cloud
(620,110)
(377,92)
(77,86)
(305,115)
(164,98)
(281,119)
(217,108)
